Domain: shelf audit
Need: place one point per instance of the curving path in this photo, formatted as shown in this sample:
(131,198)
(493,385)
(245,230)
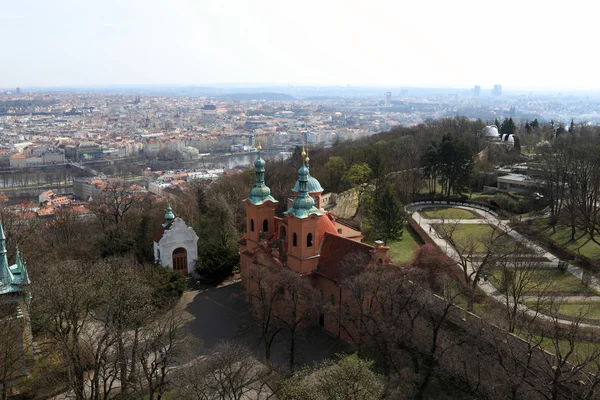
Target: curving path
(489,218)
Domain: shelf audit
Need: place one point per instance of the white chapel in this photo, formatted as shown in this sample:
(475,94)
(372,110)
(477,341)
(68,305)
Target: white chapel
(176,244)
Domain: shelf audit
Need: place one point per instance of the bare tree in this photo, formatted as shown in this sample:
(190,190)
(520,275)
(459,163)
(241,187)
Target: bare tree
(264,296)
(162,344)
(118,198)
(12,346)
(347,378)
(64,298)
(229,372)
(518,278)
(297,305)
(476,254)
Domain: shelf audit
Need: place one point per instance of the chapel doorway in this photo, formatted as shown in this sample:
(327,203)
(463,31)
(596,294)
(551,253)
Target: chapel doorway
(180,262)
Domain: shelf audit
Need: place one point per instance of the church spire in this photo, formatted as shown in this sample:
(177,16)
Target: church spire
(260,192)
(6,277)
(303,205)
(169,216)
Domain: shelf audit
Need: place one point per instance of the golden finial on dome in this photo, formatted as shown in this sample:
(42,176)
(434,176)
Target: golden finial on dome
(303,151)
(307,159)
(259,147)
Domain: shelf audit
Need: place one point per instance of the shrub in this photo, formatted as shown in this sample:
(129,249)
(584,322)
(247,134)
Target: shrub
(215,263)
(168,285)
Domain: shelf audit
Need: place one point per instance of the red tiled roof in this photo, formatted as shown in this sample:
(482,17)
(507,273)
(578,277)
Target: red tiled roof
(158,235)
(325,225)
(333,251)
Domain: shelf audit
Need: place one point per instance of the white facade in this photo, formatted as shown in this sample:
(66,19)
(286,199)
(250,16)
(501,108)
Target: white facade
(178,235)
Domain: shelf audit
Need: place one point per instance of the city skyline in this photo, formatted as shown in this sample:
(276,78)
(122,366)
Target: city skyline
(458,45)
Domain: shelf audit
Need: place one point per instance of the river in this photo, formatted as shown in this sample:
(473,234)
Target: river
(239,160)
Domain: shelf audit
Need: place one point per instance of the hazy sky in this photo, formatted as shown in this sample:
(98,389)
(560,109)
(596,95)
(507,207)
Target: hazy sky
(520,44)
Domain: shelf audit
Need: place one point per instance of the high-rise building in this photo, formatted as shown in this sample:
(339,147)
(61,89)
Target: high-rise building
(18,90)
(388,99)
(497,91)
(476,90)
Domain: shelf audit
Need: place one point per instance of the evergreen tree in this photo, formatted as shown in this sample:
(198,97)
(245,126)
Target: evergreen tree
(497,123)
(535,124)
(508,127)
(572,127)
(388,215)
(457,163)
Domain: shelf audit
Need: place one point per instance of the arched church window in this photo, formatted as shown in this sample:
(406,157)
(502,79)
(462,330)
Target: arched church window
(309,241)
(295,240)
(266,225)
(251,225)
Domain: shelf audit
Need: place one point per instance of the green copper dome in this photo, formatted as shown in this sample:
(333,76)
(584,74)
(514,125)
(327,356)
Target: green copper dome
(312,186)
(260,193)
(303,205)
(169,216)
(259,162)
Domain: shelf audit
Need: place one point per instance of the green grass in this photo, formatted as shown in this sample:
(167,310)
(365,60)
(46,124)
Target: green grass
(447,213)
(480,196)
(581,349)
(581,245)
(401,251)
(560,281)
(477,235)
(589,310)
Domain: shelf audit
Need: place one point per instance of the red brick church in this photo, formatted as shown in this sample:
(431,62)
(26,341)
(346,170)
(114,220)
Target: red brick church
(307,240)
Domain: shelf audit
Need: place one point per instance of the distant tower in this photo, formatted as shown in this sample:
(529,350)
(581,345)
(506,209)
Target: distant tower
(476,90)
(388,99)
(18,90)
(497,91)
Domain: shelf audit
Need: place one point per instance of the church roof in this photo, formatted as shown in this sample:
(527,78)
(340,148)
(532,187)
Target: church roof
(326,225)
(334,249)
(158,235)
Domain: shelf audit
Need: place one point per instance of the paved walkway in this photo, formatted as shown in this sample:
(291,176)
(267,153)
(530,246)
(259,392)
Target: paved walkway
(486,218)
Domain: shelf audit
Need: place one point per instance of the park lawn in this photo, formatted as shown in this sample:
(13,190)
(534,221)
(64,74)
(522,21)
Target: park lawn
(581,350)
(582,245)
(401,251)
(589,310)
(447,213)
(478,196)
(563,282)
(479,233)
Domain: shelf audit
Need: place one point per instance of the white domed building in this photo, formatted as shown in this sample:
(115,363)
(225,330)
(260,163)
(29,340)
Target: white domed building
(491,132)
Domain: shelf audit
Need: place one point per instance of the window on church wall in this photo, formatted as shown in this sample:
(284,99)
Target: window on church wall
(332,299)
(251,225)
(309,240)
(266,225)
(295,240)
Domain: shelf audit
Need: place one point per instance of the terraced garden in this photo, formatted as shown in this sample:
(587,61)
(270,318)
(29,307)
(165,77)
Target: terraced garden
(448,213)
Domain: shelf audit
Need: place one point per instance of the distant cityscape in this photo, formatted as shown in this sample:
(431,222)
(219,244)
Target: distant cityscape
(45,128)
